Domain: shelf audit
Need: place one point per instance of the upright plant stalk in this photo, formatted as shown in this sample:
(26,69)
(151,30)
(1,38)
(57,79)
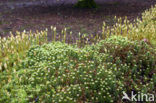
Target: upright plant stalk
(54,33)
(65,34)
(61,37)
(103,30)
(52,30)
(71,37)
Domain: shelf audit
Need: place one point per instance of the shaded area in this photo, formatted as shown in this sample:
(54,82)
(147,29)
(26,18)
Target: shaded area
(39,15)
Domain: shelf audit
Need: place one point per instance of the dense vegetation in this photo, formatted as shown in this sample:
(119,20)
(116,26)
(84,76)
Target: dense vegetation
(122,58)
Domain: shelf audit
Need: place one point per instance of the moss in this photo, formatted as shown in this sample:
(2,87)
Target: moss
(86,4)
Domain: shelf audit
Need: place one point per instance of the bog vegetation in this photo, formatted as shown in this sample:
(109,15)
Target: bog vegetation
(93,69)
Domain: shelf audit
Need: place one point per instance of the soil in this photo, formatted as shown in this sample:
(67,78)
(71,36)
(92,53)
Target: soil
(17,15)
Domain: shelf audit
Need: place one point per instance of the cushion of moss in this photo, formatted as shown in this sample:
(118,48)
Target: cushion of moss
(58,72)
(86,4)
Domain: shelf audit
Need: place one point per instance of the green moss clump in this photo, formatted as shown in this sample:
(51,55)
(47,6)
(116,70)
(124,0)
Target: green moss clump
(86,4)
(62,73)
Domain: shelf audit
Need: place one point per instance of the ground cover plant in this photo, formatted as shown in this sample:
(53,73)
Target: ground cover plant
(13,50)
(92,68)
(58,72)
